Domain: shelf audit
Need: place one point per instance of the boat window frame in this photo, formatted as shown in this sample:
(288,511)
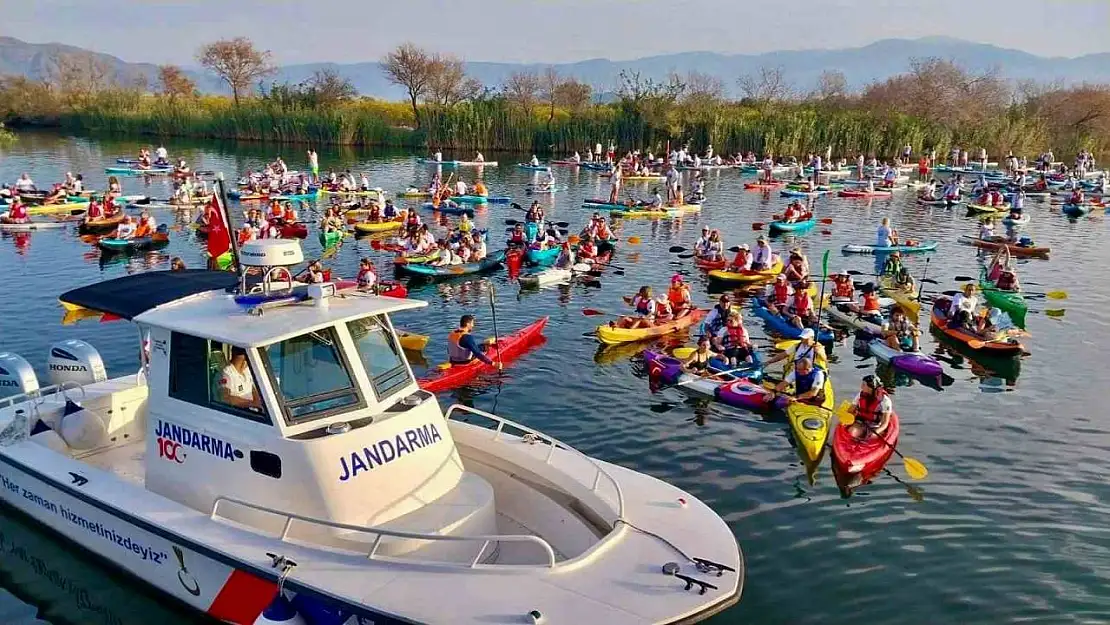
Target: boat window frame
(355,388)
(386,324)
(261,417)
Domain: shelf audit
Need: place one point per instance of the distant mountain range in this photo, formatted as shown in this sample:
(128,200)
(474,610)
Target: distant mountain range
(860,66)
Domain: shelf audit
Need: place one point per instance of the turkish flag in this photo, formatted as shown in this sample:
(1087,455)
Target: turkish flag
(219,238)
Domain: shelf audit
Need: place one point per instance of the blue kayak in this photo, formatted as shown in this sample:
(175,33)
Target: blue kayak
(796,193)
(781,326)
(450,209)
(928,246)
(481,199)
(797,226)
(533,167)
(1076,210)
(541,257)
(489,263)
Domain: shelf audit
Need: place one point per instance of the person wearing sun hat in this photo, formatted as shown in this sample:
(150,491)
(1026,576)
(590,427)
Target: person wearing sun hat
(763,257)
(807,348)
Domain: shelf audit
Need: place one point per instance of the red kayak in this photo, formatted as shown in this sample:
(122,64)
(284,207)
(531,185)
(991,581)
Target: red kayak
(764,185)
(848,193)
(295,230)
(858,461)
(386,288)
(507,349)
(710,265)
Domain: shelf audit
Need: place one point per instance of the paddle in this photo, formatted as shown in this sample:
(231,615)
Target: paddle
(676,249)
(914,467)
(593,312)
(1050,294)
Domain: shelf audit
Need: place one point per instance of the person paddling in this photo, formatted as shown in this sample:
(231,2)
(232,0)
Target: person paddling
(463,347)
(807,348)
(808,382)
(872,409)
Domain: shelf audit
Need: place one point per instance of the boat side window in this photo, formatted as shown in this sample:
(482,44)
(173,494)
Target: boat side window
(214,375)
(311,376)
(381,355)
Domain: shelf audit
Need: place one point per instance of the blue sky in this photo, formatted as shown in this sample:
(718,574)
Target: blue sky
(347,31)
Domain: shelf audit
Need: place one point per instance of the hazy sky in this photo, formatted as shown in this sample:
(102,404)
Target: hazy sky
(346,31)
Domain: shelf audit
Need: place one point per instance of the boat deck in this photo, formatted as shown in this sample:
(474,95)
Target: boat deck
(127,462)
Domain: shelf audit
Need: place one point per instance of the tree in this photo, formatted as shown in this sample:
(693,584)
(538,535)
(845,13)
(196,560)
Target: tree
(649,102)
(550,81)
(769,85)
(573,95)
(410,67)
(523,90)
(174,83)
(448,83)
(704,92)
(237,62)
(78,76)
(327,88)
(832,87)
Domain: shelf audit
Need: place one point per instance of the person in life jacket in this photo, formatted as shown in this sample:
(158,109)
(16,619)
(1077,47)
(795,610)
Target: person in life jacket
(463,347)
(18,214)
(390,211)
(801,307)
(715,320)
(646,308)
(743,259)
(778,295)
(517,238)
(367,278)
(807,382)
(794,212)
(842,287)
(247,233)
(872,409)
(868,306)
(900,333)
(732,340)
(807,347)
(796,270)
(678,296)
(276,210)
(898,272)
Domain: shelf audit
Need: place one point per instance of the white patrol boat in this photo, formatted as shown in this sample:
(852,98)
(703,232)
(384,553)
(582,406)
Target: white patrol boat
(274,461)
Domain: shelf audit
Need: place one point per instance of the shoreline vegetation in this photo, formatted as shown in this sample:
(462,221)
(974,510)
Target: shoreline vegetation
(934,104)
(7,137)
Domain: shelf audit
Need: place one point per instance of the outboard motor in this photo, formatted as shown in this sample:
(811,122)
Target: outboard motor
(75,361)
(16,375)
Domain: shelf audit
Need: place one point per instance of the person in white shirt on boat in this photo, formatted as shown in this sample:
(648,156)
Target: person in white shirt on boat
(237,384)
(548,183)
(25,184)
(438,157)
(886,235)
(477,246)
(701,246)
(126,229)
(656,201)
(763,258)
(78,185)
(535,162)
(576,158)
(161,156)
(363,182)
(460,187)
(479,158)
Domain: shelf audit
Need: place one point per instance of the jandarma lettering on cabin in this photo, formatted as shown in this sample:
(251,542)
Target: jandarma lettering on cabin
(202,442)
(387,450)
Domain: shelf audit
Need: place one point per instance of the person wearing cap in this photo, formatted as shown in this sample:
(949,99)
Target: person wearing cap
(701,246)
(732,340)
(678,296)
(807,348)
(716,317)
(871,408)
(763,257)
(743,259)
(807,381)
(898,272)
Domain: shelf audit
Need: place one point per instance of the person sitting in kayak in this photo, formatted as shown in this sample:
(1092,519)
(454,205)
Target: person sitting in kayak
(663,310)
(800,306)
(698,362)
(763,257)
(390,211)
(1076,197)
(894,268)
(732,340)
(535,162)
(126,228)
(886,236)
(587,251)
(478,247)
(182,168)
(889,177)
(412,221)
(807,381)
(331,223)
(869,307)
(807,348)
(367,278)
(778,296)
(517,237)
(145,226)
(900,333)
(963,306)
(566,257)
(644,305)
(247,233)
(715,249)
(742,261)
(679,298)
(796,270)
(701,246)
(463,348)
(842,287)
(715,320)
(871,408)
(656,203)
(794,212)
(17,213)
(56,195)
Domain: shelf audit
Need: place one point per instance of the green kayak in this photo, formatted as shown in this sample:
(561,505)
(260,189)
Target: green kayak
(1010,302)
(329,239)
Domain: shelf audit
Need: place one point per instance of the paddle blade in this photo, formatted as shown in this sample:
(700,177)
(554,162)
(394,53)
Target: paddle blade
(975,344)
(674,249)
(682,353)
(1057,295)
(634,240)
(375,244)
(914,468)
(827,221)
(785,345)
(757,226)
(443,366)
(843,415)
(1054,312)
(592,312)
(573,239)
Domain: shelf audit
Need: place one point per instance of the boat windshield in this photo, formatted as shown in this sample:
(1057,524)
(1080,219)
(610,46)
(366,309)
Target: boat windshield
(381,356)
(311,376)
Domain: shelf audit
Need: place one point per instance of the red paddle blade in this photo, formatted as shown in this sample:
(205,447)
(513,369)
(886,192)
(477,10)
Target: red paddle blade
(375,244)
(107,317)
(591,312)
(757,226)
(826,232)
(826,221)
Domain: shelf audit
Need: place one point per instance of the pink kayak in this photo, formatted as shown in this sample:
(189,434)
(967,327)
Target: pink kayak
(744,394)
(849,193)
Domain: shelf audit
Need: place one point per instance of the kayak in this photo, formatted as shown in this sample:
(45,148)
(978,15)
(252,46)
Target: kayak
(611,335)
(531,167)
(1075,210)
(710,265)
(654,178)
(914,363)
(669,212)
(1020,221)
(997,346)
(940,202)
(810,424)
(329,239)
(1014,248)
(860,460)
(749,276)
(1010,302)
(505,350)
(669,370)
(51,209)
(928,246)
(428,161)
(100,226)
(415,260)
(376,193)
(553,275)
(130,246)
(411,192)
(541,257)
(907,300)
(797,226)
(412,342)
(988,210)
(489,263)
(761,186)
(448,209)
(863,194)
(781,326)
(293,230)
(132,171)
(366,227)
(30,225)
(797,193)
(845,315)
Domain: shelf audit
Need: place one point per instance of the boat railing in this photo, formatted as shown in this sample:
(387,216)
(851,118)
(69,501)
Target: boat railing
(553,443)
(382,533)
(54,392)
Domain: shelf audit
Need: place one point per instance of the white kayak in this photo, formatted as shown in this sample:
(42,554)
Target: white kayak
(30,225)
(841,313)
(553,275)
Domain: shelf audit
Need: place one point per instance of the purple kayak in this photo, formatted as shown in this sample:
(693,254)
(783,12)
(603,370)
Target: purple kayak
(913,363)
(743,394)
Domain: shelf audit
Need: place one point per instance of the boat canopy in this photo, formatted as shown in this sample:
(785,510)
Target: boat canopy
(131,296)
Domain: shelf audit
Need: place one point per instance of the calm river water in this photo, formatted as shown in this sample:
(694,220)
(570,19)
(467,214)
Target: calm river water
(1009,526)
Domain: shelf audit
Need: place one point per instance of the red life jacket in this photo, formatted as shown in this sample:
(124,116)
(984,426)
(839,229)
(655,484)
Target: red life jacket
(871,303)
(868,407)
(843,289)
(782,293)
(801,303)
(737,335)
(517,237)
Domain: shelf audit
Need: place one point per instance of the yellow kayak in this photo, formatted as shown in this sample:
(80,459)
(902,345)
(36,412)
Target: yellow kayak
(610,335)
(667,211)
(412,342)
(54,209)
(810,424)
(745,277)
(381,226)
(907,300)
